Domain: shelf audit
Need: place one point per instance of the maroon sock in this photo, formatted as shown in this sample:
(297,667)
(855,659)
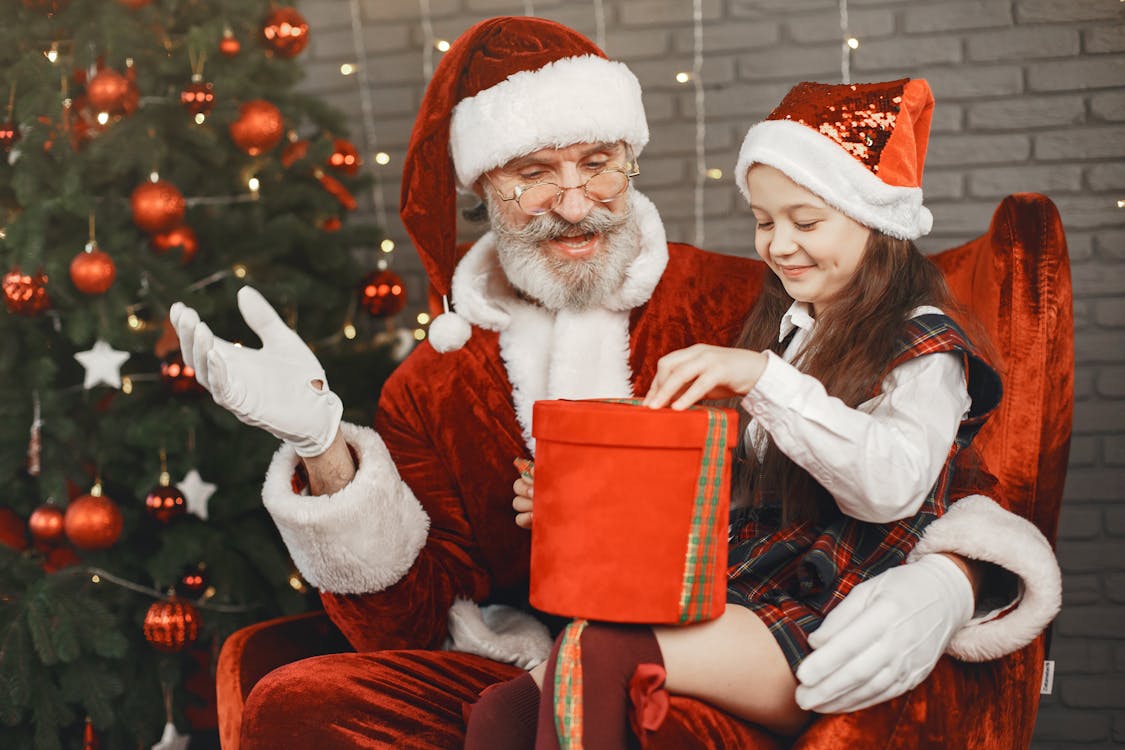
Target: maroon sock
(504,717)
(610,655)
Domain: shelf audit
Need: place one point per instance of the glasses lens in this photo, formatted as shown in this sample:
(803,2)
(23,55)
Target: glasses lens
(607,185)
(538,199)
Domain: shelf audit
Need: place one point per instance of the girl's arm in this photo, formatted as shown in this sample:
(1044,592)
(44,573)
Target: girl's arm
(880,460)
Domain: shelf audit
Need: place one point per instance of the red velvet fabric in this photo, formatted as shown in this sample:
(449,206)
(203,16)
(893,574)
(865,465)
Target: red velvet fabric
(1016,279)
(618,510)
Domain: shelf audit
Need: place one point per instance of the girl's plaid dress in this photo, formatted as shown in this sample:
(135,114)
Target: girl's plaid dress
(792,576)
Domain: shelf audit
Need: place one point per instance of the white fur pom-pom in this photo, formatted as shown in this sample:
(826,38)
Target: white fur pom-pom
(449,332)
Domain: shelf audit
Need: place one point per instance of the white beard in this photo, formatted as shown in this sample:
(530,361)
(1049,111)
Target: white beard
(561,283)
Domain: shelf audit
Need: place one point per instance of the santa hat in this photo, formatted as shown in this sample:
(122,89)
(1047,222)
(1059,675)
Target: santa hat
(860,147)
(507,87)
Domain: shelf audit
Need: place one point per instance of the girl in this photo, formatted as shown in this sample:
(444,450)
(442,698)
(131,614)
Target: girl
(856,392)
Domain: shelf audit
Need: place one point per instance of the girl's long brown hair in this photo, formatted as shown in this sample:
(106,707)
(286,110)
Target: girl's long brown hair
(851,347)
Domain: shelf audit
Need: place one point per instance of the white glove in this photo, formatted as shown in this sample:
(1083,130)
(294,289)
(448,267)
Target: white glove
(885,637)
(271,387)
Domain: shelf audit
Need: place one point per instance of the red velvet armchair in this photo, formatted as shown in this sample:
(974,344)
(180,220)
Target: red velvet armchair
(1016,279)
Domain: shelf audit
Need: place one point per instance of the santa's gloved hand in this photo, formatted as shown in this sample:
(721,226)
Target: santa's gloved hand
(885,637)
(280,387)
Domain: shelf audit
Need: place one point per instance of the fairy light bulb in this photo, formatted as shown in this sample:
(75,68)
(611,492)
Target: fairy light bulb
(853,42)
(423,318)
(387,245)
(382,158)
(441,45)
(683,77)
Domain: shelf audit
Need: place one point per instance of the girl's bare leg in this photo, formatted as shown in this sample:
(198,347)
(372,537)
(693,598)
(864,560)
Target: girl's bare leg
(735,664)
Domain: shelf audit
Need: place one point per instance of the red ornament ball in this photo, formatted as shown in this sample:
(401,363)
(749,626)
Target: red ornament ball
(157,206)
(92,522)
(92,271)
(193,582)
(9,135)
(46,524)
(178,376)
(229,44)
(345,157)
(109,91)
(50,6)
(285,32)
(165,503)
(25,294)
(59,558)
(171,625)
(293,151)
(198,97)
(182,237)
(259,127)
(13,534)
(382,293)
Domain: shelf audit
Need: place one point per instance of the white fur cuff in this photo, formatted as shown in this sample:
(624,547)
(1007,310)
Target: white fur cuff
(976,527)
(361,539)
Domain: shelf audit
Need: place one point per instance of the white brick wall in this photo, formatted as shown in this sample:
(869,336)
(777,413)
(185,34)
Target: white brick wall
(1031,97)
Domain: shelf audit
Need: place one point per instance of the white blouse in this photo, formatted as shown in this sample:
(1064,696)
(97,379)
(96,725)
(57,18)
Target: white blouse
(880,460)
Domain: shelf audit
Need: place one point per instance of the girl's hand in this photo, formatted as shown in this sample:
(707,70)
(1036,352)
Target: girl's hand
(700,372)
(524,489)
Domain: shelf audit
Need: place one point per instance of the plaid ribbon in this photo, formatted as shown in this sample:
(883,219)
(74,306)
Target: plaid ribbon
(702,534)
(568,687)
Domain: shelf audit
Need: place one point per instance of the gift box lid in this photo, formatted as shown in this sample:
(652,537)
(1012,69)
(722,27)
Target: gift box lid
(623,422)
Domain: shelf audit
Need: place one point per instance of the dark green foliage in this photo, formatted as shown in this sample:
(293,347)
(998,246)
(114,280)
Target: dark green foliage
(71,648)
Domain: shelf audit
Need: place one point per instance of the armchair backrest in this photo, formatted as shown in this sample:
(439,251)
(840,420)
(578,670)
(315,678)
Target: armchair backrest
(1015,279)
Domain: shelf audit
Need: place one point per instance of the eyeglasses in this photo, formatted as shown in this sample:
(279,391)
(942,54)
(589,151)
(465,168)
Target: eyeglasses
(538,198)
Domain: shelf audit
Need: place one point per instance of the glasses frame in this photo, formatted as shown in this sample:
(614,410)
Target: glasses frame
(630,169)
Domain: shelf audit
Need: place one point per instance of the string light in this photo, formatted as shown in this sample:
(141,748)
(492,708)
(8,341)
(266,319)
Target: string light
(382,158)
(441,45)
(253,184)
(683,77)
(382,264)
(154,176)
(126,384)
(200,118)
(238,270)
(367,109)
(428,36)
(846,47)
(599,23)
(52,54)
(347,69)
(95,578)
(715,173)
(103,118)
(387,245)
(349,331)
(700,118)
(419,334)
(423,318)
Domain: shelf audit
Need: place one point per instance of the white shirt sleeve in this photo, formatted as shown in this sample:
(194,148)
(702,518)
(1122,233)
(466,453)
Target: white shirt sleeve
(879,460)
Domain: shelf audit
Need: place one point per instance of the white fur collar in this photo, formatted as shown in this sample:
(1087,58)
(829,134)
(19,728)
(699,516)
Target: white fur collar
(482,295)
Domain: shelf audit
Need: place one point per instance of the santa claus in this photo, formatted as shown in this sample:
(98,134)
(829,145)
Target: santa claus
(408,529)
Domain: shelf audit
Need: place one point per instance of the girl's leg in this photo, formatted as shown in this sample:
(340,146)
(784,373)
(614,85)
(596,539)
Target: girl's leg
(504,716)
(735,664)
(605,657)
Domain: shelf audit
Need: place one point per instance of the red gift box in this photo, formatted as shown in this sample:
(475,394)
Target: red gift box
(631,511)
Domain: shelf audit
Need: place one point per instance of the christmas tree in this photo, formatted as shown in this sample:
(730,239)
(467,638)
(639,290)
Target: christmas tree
(154,151)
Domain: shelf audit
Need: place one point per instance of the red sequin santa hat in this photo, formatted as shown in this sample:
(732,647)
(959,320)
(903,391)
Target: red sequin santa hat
(860,147)
(507,87)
